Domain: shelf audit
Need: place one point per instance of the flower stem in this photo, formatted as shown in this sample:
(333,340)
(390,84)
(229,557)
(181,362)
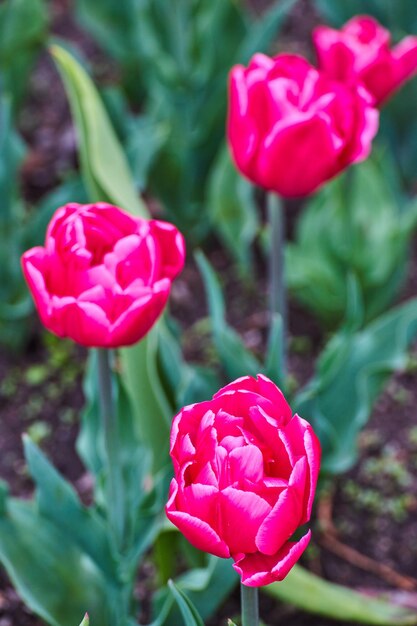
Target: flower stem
(115,491)
(277,291)
(250,605)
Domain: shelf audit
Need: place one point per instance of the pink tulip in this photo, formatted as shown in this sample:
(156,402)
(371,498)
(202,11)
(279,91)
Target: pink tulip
(245,476)
(360,52)
(104,276)
(291,128)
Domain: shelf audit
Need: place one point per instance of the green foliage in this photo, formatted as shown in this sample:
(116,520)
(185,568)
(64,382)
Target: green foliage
(205,587)
(59,553)
(151,405)
(142,507)
(231,200)
(400,17)
(56,552)
(23,29)
(301,588)
(355,228)
(15,302)
(237,360)
(188,611)
(349,375)
(172,65)
(185,383)
(315,595)
(104,167)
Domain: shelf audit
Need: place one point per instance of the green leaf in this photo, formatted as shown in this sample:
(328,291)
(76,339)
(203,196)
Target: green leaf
(315,595)
(56,579)
(15,301)
(142,505)
(354,366)
(13,152)
(188,610)
(188,383)
(235,358)
(110,24)
(145,138)
(86,620)
(151,406)
(265,30)
(59,503)
(357,228)
(23,29)
(207,588)
(400,18)
(233,208)
(105,169)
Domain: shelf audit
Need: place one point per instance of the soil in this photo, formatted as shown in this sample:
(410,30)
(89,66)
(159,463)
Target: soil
(373,506)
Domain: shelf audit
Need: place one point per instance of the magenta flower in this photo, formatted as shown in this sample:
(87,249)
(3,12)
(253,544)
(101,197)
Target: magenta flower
(291,128)
(360,52)
(103,277)
(245,476)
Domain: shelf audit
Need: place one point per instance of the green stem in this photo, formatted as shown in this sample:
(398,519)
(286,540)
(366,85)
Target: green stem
(250,605)
(277,290)
(115,491)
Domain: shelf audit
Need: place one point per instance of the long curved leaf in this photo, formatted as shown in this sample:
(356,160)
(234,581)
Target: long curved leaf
(103,161)
(188,610)
(315,595)
(56,579)
(350,373)
(58,502)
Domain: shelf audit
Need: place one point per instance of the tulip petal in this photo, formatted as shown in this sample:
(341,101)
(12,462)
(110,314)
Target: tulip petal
(258,569)
(264,387)
(303,441)
(246,462)
(404,55)
(198,533)
(280,524)
(171,247)
(242,131)
(297,159)
(200,501)
(35,268)
(313,451)
(85,322)
(238,506)
(139,318)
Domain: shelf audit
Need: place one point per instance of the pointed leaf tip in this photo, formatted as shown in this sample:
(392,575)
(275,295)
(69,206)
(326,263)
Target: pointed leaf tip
(86,620)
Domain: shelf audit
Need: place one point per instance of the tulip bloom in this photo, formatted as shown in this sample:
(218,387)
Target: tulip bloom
(103,276)
(360,52)
(245,476)
(291,128)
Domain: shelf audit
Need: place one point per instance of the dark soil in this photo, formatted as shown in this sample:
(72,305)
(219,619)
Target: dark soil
(374,505)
